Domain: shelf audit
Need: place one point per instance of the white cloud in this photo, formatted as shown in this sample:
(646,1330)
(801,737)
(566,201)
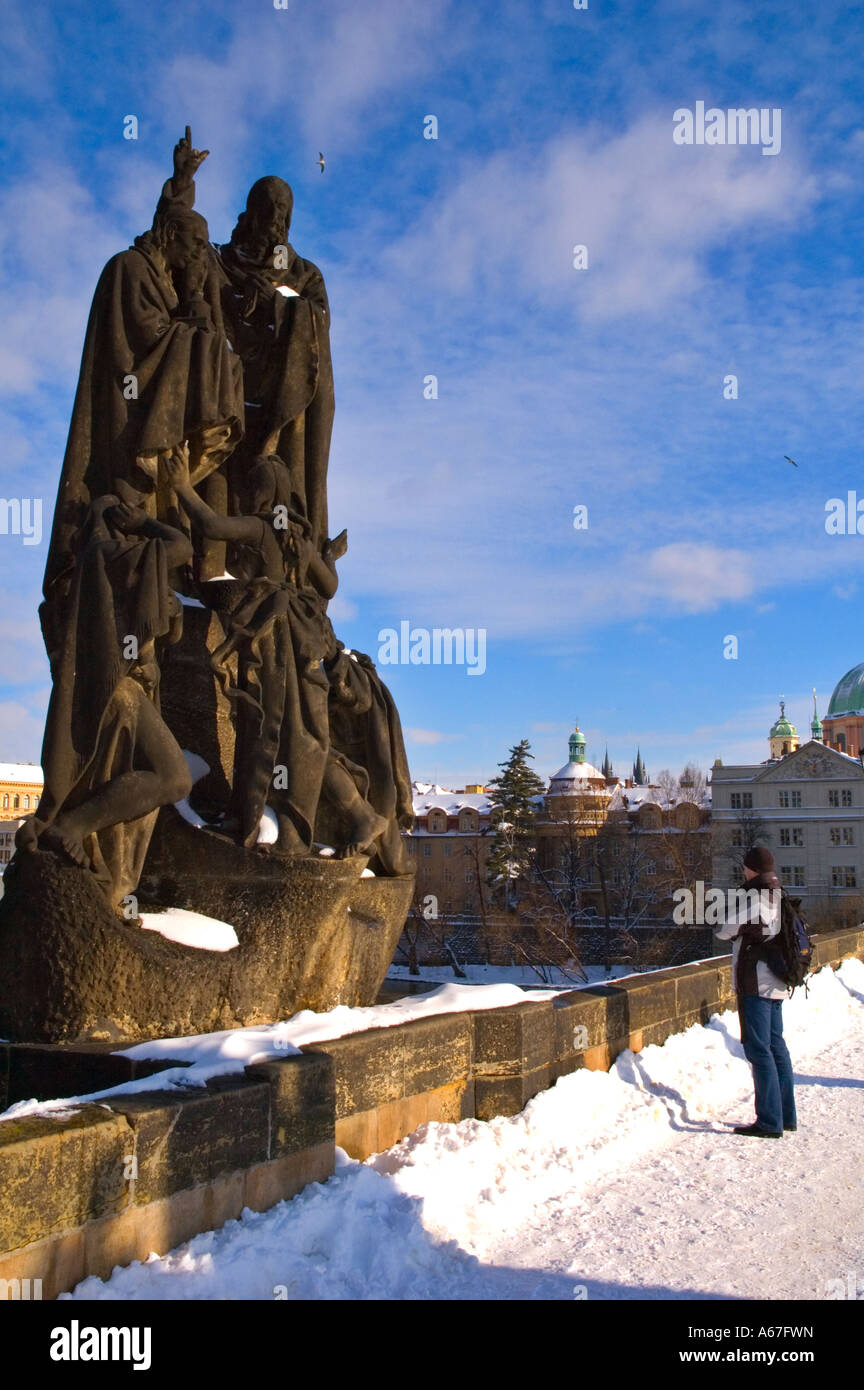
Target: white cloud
(697,577)
(647,209)
(430,736)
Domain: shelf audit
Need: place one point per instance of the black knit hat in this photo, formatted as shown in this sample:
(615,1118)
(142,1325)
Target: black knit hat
(760,860)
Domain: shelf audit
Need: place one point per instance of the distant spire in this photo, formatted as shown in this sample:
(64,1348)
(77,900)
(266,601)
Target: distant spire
(607,766)
(816,722)
(640,776)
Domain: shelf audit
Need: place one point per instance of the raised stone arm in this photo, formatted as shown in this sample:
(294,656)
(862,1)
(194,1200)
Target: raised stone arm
(178,192)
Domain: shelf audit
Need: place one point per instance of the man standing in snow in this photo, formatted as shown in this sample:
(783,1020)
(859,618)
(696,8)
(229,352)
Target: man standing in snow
(760,998)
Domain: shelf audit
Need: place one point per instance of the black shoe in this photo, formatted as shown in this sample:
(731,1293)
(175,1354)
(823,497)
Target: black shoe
(758,1132)
(790,1129)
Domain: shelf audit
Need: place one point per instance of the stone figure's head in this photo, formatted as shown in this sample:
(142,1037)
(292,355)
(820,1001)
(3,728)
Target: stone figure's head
(270,485)
(267,219)
(182,237)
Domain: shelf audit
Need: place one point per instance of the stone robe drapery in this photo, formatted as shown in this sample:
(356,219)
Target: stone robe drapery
(281,635)
(149,379)
(288,372)
(119,588)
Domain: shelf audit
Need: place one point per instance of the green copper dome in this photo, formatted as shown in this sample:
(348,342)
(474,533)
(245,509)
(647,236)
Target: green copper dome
(577,746)
(848,697)
(782,728)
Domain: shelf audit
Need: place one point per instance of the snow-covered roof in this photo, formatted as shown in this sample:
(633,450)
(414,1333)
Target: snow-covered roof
(631,798)
(576,772)
(26,773)
(430,797)
(634,797)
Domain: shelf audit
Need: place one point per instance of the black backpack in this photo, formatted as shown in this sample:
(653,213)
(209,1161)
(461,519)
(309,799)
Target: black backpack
(789,954)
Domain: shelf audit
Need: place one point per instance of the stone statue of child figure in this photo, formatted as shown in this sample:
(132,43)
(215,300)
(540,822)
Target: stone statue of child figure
(285,645)
(278,630)
(110,761)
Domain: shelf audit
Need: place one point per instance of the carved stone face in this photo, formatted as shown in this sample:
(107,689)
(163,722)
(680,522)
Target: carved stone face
(186,241)
(267,218)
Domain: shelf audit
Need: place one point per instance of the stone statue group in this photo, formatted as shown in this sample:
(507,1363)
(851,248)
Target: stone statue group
(195,476)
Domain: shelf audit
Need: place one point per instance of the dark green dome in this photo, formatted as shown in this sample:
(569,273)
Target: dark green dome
(577,746)
(782,728)
(848,697)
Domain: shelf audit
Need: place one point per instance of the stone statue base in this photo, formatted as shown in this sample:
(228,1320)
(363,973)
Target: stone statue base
(313,934)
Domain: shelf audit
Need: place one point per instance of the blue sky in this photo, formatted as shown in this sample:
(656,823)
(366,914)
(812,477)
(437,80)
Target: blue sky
(557,387)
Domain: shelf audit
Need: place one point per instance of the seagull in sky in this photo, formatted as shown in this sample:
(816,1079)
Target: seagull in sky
(321,160)
(788,460)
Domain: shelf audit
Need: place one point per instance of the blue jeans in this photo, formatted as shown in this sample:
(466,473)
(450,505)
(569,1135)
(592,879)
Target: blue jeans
(765,1050)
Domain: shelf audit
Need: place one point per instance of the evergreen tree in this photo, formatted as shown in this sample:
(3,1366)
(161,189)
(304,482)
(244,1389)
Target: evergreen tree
(514,816)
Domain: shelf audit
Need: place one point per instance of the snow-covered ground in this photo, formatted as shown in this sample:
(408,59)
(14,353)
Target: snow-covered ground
(612,1186)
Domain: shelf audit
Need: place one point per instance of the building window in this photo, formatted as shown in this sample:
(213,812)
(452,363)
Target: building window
(783,798)
(5,801)
(795,836)
(16,801)
(26,803)
(839,798)
(841,835)
(469,877)
(447,849)
(792,875)
(427,849)
(737,839)
(735,801)
(843,876)
(650,867)
(796,799)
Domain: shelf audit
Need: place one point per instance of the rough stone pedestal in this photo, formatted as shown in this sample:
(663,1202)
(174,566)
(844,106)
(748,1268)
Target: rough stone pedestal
(313,934)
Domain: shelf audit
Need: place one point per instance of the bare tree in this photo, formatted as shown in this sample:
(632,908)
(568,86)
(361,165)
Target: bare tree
(667,783)
(692,785)
(734,842)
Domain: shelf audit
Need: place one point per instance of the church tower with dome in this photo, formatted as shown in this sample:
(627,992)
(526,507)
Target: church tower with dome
(579,787)
(783,737)
(843,725)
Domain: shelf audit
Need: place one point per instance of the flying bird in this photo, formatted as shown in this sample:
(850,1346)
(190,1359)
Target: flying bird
(788,460)
(321,160)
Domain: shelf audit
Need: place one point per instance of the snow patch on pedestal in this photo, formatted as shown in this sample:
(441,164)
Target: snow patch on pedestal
(191,929)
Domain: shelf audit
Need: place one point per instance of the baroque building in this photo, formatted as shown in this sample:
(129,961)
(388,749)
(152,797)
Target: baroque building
(21,786)
(805,803)
(449,845)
